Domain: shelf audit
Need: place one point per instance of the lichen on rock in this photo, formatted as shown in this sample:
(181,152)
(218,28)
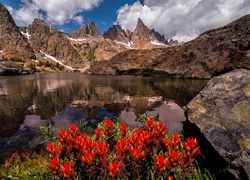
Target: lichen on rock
(221,111)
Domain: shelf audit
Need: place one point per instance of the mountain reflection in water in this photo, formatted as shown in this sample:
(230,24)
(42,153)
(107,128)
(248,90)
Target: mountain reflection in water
(26,102)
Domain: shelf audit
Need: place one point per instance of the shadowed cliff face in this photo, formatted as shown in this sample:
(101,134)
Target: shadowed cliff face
(12,42)
(212,53)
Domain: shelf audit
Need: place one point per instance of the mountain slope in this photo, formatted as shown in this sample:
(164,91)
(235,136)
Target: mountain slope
(212,53)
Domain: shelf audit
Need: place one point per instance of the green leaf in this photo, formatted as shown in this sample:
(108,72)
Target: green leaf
(45,141)
(37,132)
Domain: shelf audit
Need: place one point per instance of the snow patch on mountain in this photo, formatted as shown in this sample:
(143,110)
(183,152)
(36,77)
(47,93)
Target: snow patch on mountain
(157,43)
(54,59)
(72,39)
(128,45)
(26,34)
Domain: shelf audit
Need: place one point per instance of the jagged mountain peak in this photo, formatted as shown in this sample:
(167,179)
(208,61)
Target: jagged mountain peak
(141,26)
(12,42)
(7,23)
(115,33)
(89,29)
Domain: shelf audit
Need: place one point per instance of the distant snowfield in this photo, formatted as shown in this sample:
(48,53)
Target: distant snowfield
(72,39)
(54,59)
(26,34)
(127,45)
(157,43)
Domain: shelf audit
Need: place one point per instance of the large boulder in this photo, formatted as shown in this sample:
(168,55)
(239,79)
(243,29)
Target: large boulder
(12,68)
(219,116)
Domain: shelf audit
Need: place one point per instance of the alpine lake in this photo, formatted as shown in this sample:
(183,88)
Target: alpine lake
(60,99)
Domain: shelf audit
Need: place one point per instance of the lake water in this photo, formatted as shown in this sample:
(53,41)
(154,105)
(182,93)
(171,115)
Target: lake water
(60,99)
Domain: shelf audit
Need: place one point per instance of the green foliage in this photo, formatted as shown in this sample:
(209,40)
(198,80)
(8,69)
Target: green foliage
(83,125)
(78,47)
(91,55)
(4,58)
(40,63)
(202,175)
(32,67)
(47,64)
(16,59)
(26,166)
(45,131)
(147,72)
(143,118)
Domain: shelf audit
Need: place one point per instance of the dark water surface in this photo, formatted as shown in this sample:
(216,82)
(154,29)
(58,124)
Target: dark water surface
(26,102)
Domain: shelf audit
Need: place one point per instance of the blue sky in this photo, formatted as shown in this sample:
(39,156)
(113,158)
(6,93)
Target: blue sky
(178,19)
(104,15)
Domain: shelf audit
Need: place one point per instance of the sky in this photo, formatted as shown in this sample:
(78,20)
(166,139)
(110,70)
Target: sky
(181,20)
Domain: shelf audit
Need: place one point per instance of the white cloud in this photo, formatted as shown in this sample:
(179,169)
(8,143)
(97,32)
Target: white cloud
(56,12)
(181,19)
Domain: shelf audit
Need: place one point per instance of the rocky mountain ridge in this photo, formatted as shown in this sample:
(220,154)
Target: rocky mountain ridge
(118,51)
(213,52)
(41,41)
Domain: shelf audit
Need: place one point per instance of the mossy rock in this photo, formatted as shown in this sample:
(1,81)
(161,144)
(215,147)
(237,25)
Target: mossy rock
(221,111)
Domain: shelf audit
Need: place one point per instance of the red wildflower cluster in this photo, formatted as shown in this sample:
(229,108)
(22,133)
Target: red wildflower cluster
(191,151)
(78,156)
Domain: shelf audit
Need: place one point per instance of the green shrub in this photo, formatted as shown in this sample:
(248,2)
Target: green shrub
(91,55)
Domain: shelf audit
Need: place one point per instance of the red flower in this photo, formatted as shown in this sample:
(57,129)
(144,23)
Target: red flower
(190,148)
(170,177)
(91,145)
(161,130)
(107,124)
(88,157)
(98,134)
(67,170)
(85,137)
(114,168)
(124,130)
(138,132)
(53,151)
(122,148)
(102,151)
(191,151)
(175,142)
(73,130)
(161,163)
(150,125)
(64,137)
(51,148)
(80,144)
(54,165)
(174,157)
(136,153)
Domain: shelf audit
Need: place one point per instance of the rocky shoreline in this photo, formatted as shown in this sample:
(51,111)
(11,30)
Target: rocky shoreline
(8,68)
